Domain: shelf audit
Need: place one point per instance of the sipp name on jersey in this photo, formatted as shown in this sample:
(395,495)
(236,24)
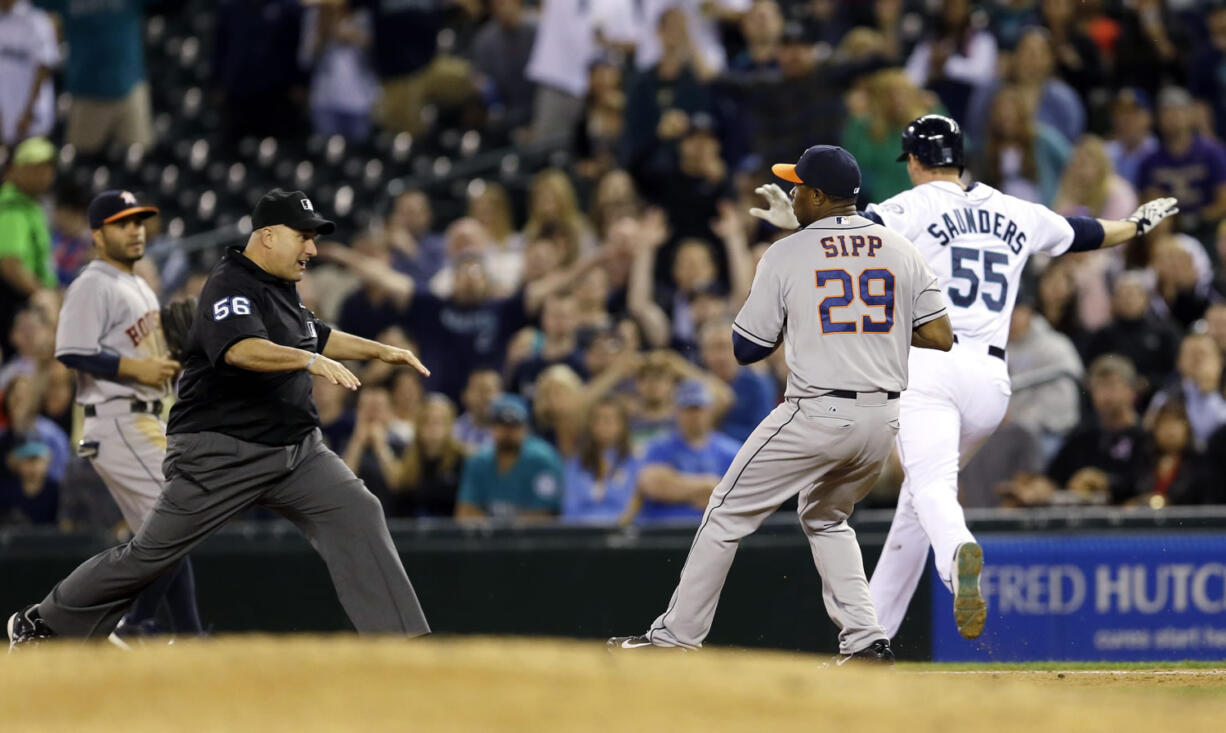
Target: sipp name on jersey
(957,222)
(849,245)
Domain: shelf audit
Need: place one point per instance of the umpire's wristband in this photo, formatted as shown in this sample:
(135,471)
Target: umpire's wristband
(311,361)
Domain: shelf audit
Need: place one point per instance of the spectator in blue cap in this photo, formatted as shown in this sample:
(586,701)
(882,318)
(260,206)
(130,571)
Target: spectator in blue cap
(27,494)
(519,476)
(681,469)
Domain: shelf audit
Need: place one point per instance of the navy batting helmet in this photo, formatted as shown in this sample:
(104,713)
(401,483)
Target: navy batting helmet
(935,140)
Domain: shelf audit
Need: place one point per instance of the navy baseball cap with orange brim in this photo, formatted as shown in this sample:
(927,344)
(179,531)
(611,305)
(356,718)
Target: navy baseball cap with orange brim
(109,207)
(828,168)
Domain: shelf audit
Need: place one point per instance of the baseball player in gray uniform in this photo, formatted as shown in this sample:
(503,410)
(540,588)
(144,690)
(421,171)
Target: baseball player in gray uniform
(110,333)
(849,297)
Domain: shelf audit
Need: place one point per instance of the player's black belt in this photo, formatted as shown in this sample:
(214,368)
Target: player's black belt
(996,351)
(847,394)
(152,408)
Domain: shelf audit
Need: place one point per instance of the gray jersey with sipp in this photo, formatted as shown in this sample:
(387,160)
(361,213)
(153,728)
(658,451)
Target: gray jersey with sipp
(845,293)
(108,310)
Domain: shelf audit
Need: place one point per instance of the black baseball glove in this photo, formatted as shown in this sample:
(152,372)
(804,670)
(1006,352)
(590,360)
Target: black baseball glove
(176,323)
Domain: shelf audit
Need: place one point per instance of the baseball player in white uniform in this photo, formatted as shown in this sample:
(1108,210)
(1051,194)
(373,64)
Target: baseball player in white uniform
(110,333)
(977,241)
(849,297)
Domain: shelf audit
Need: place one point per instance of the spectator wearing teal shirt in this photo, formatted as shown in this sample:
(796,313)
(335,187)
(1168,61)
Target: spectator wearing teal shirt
(105,72)
(753,393)
(681,469)
(518,476)
(599,482)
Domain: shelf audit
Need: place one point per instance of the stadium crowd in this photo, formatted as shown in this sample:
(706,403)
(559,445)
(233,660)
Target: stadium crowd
(577,326)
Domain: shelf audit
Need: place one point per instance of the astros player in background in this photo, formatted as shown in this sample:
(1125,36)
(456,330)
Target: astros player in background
(110,333)
(850,298)
(977,241)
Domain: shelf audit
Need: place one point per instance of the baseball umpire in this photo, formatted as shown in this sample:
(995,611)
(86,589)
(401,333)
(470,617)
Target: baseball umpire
(245,432)
(849,297)
(110,333)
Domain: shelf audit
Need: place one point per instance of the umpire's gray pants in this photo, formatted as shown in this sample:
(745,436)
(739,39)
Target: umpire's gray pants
(830,451)
(210,478)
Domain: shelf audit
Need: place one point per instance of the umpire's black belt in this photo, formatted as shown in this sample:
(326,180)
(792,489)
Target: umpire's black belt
(996,351)
(152,408)
(848,394)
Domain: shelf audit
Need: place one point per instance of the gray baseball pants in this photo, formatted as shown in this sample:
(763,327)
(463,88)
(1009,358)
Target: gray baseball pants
(827,450)
(211,478)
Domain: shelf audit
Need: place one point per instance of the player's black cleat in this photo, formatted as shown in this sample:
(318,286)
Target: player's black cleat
(879,652)
(619,644)
(26,627)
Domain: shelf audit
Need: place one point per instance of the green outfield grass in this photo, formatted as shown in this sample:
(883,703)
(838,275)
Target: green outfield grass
(1056,666)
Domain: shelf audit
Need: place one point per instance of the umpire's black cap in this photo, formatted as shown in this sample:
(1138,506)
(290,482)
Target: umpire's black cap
(291,208)
(934,140)
(828,168)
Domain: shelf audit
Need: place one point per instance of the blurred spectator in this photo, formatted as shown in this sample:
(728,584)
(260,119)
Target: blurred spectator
(1078,60)
(408,62)
(472,428)
(22,400)
(1207,70)
(557,411)
(371,308)
(553,210)
(957,57)
(1021,156)
(1103,459)
(105,73)
(490,206)
(28,495)
(1196,388)
(892,102)
(615,198)
(603,123)
(534,351)
(1000,471)
(1177,473)
(662,100)
(694,184)
(1180,293)
(701,19)
(372,450)
(31,54)
(33,340)
(255,68)
(417,249)
(336,419)
(1132,136)
(564,46)
(406,393)
(59,388)
(1215,325)
(1135,334)
(72,245)
(762,29)
(681,469)
(428,477)
(518,476)
(26,264)
(1046,374)
(501,51)
(1186,165)
(1147,47)
(829,21)
(1090,186)
(1059,301)
(753,393)
(336,40)
(1052,102)
(599,482)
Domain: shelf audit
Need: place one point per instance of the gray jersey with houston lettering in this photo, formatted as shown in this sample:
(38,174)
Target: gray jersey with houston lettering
(108,310)
(845,294)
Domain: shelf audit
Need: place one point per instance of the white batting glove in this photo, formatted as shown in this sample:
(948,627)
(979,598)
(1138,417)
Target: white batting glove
(780,213)
(1151,213)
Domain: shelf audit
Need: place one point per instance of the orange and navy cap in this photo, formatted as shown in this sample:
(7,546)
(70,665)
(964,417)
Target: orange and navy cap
(111,206)
(828,168)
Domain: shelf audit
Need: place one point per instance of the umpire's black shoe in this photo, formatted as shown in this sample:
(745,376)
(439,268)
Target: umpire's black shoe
(879,652)
(619,644)
(27,627)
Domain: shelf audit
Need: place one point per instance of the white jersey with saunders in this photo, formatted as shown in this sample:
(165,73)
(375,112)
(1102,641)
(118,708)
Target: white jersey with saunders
(848,297)
(977,240)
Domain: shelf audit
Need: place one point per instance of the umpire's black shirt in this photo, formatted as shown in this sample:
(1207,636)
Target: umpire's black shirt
(242,301)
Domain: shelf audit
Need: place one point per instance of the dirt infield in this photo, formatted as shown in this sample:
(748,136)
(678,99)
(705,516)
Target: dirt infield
(342,683)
